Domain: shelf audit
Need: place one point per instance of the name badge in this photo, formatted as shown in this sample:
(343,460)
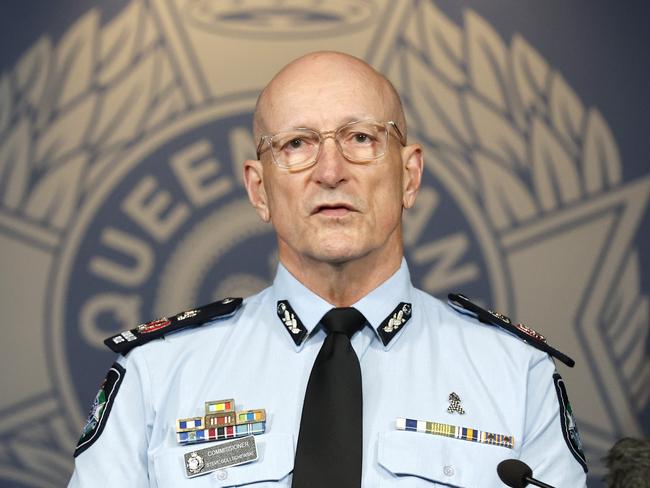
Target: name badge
(220,456)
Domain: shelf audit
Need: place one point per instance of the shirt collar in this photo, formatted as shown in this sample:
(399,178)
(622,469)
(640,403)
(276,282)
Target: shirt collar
(378,306)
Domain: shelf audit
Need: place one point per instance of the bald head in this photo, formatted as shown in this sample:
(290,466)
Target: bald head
(334,220)
(321,74)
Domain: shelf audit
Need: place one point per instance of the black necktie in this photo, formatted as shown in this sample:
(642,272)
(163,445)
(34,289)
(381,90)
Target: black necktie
(330,443)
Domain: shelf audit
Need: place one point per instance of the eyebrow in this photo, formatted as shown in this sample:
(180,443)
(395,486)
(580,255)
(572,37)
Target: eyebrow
(346,120)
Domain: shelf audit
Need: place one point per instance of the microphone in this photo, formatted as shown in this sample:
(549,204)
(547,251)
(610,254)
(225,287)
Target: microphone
(517,474)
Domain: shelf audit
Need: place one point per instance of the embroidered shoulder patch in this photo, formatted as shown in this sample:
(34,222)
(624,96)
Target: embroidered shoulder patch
(569,425)
(100,408)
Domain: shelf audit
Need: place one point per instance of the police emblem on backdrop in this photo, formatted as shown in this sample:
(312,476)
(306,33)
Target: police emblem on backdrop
(101,408)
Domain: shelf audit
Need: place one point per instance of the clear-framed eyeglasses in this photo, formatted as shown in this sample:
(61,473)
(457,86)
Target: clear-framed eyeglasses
(360,141)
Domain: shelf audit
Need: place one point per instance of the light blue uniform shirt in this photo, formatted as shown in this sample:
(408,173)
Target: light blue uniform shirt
(505,387)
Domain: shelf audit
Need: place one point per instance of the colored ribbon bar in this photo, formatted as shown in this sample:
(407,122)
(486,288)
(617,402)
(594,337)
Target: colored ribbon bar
(220,422)
(220,433)
(456,432)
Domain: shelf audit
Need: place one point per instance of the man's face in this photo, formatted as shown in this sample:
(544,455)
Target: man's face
(335,211)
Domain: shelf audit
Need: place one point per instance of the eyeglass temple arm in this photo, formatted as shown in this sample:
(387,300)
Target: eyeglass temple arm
(400,136)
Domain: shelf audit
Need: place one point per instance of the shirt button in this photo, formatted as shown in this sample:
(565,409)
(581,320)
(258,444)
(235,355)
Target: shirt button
(222,474)
(448,470)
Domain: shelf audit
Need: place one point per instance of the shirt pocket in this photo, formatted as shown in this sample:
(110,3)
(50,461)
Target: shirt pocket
(274,464)
(418,460)
(272,469)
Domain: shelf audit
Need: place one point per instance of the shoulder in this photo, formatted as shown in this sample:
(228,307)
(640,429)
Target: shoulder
(194,318)
(476,323)
(465,306)
(455,325)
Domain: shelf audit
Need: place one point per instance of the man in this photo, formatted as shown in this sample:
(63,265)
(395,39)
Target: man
(333,176)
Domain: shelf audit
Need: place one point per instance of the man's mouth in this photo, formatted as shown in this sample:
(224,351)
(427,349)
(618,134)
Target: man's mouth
(334,210)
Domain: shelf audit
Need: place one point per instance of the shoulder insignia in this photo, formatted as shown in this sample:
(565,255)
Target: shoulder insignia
(125,341)
(100,408)
(464,306)
(568,422)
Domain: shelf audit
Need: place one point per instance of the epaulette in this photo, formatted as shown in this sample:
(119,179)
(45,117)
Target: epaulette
(143,333)
(463,305)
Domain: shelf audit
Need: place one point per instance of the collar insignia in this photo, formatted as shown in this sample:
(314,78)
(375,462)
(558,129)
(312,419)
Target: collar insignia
(394,322)
(292,322)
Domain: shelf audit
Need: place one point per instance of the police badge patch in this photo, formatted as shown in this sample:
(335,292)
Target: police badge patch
(568,421)
(100,408)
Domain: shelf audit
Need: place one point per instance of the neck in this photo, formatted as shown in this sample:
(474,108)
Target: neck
(343,283)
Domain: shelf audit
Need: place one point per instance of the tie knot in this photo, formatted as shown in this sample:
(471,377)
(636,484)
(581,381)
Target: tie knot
(345,320)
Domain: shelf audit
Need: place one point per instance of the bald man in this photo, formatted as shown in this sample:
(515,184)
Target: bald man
(413,394)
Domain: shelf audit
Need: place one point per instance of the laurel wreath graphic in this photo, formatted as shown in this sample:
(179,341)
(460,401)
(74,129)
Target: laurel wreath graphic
(514,130)
(510,127)
(68,111)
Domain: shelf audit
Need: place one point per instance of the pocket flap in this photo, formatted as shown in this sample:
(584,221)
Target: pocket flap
(275,461)
(440,459)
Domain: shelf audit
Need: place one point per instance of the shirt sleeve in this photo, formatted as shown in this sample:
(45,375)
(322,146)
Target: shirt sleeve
(546,447)
(113,448)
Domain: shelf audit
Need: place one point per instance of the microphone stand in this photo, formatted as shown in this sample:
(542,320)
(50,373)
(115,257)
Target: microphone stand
(535,482)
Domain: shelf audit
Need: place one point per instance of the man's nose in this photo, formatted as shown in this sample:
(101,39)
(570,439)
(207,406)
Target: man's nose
(331,167)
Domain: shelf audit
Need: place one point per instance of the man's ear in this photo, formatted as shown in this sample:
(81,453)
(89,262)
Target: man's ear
(254,182)
(413,164)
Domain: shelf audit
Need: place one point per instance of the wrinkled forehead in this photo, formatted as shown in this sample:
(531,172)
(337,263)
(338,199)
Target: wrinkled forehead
(322,92)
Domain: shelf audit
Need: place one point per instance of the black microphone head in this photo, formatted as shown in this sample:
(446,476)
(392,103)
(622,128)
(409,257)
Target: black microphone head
(514,472)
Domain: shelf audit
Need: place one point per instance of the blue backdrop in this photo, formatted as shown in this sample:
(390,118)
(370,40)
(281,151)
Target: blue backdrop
(123,126)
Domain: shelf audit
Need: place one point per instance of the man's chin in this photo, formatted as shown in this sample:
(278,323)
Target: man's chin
(338,254)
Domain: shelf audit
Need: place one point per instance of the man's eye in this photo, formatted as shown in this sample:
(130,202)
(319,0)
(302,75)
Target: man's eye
(293,144)
(361,138)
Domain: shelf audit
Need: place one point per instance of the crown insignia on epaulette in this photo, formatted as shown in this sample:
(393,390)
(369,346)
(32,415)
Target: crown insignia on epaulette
(465,306)
(125,341)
